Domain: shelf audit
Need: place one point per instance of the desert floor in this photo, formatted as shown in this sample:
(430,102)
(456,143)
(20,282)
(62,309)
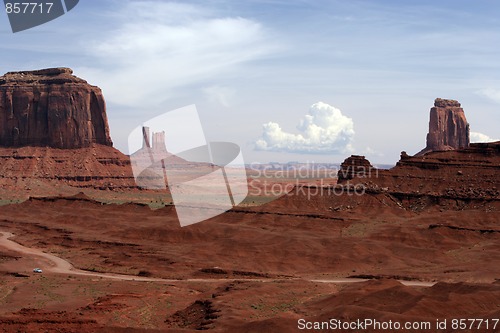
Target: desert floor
(130,268)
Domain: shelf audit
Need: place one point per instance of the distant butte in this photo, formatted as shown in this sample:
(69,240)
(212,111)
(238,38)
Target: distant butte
(448,127)
(51,108)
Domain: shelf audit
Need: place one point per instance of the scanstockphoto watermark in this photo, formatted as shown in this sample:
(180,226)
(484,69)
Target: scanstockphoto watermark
(441,325)
(363,325)
(296,188)
(24,15)
(312,170)
(307,170)
(309,179)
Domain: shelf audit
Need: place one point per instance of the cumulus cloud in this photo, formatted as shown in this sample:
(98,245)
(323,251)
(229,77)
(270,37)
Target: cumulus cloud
(492,94)
(324,130)
(480,137)
(156,47)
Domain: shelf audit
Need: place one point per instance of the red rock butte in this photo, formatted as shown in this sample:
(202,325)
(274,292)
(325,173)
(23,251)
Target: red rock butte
(448,127)
(51,108)
(54,131)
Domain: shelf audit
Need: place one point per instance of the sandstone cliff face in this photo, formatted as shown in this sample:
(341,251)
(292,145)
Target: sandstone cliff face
(448,127)
(96,167)
(51,108)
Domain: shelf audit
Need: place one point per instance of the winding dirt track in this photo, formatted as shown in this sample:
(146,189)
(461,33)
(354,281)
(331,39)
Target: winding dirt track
(61,266)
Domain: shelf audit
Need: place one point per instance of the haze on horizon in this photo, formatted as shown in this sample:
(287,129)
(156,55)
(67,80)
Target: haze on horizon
(286,80)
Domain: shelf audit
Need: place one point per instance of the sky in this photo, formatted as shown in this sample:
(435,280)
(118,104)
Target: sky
(308,81)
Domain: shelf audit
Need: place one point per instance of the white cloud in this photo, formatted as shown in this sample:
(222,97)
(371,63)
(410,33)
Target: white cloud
(480,137)
(493,94)
(324,130)
(157,47)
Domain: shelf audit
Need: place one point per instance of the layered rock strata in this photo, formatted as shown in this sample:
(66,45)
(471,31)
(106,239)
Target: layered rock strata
(51,108)
(448,127)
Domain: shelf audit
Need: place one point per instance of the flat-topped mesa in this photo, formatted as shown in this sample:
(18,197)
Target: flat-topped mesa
(51,108)
(448,127)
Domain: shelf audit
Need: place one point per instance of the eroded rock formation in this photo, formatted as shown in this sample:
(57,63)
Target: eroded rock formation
(51,108)
(448,127)
(54,131)
(354,166)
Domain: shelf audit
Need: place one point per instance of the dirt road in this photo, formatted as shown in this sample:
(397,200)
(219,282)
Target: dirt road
(61,266)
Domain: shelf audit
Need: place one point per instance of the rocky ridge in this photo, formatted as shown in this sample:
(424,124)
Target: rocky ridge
(455,179)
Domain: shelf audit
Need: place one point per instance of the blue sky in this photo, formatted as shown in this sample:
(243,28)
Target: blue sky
(257,70)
